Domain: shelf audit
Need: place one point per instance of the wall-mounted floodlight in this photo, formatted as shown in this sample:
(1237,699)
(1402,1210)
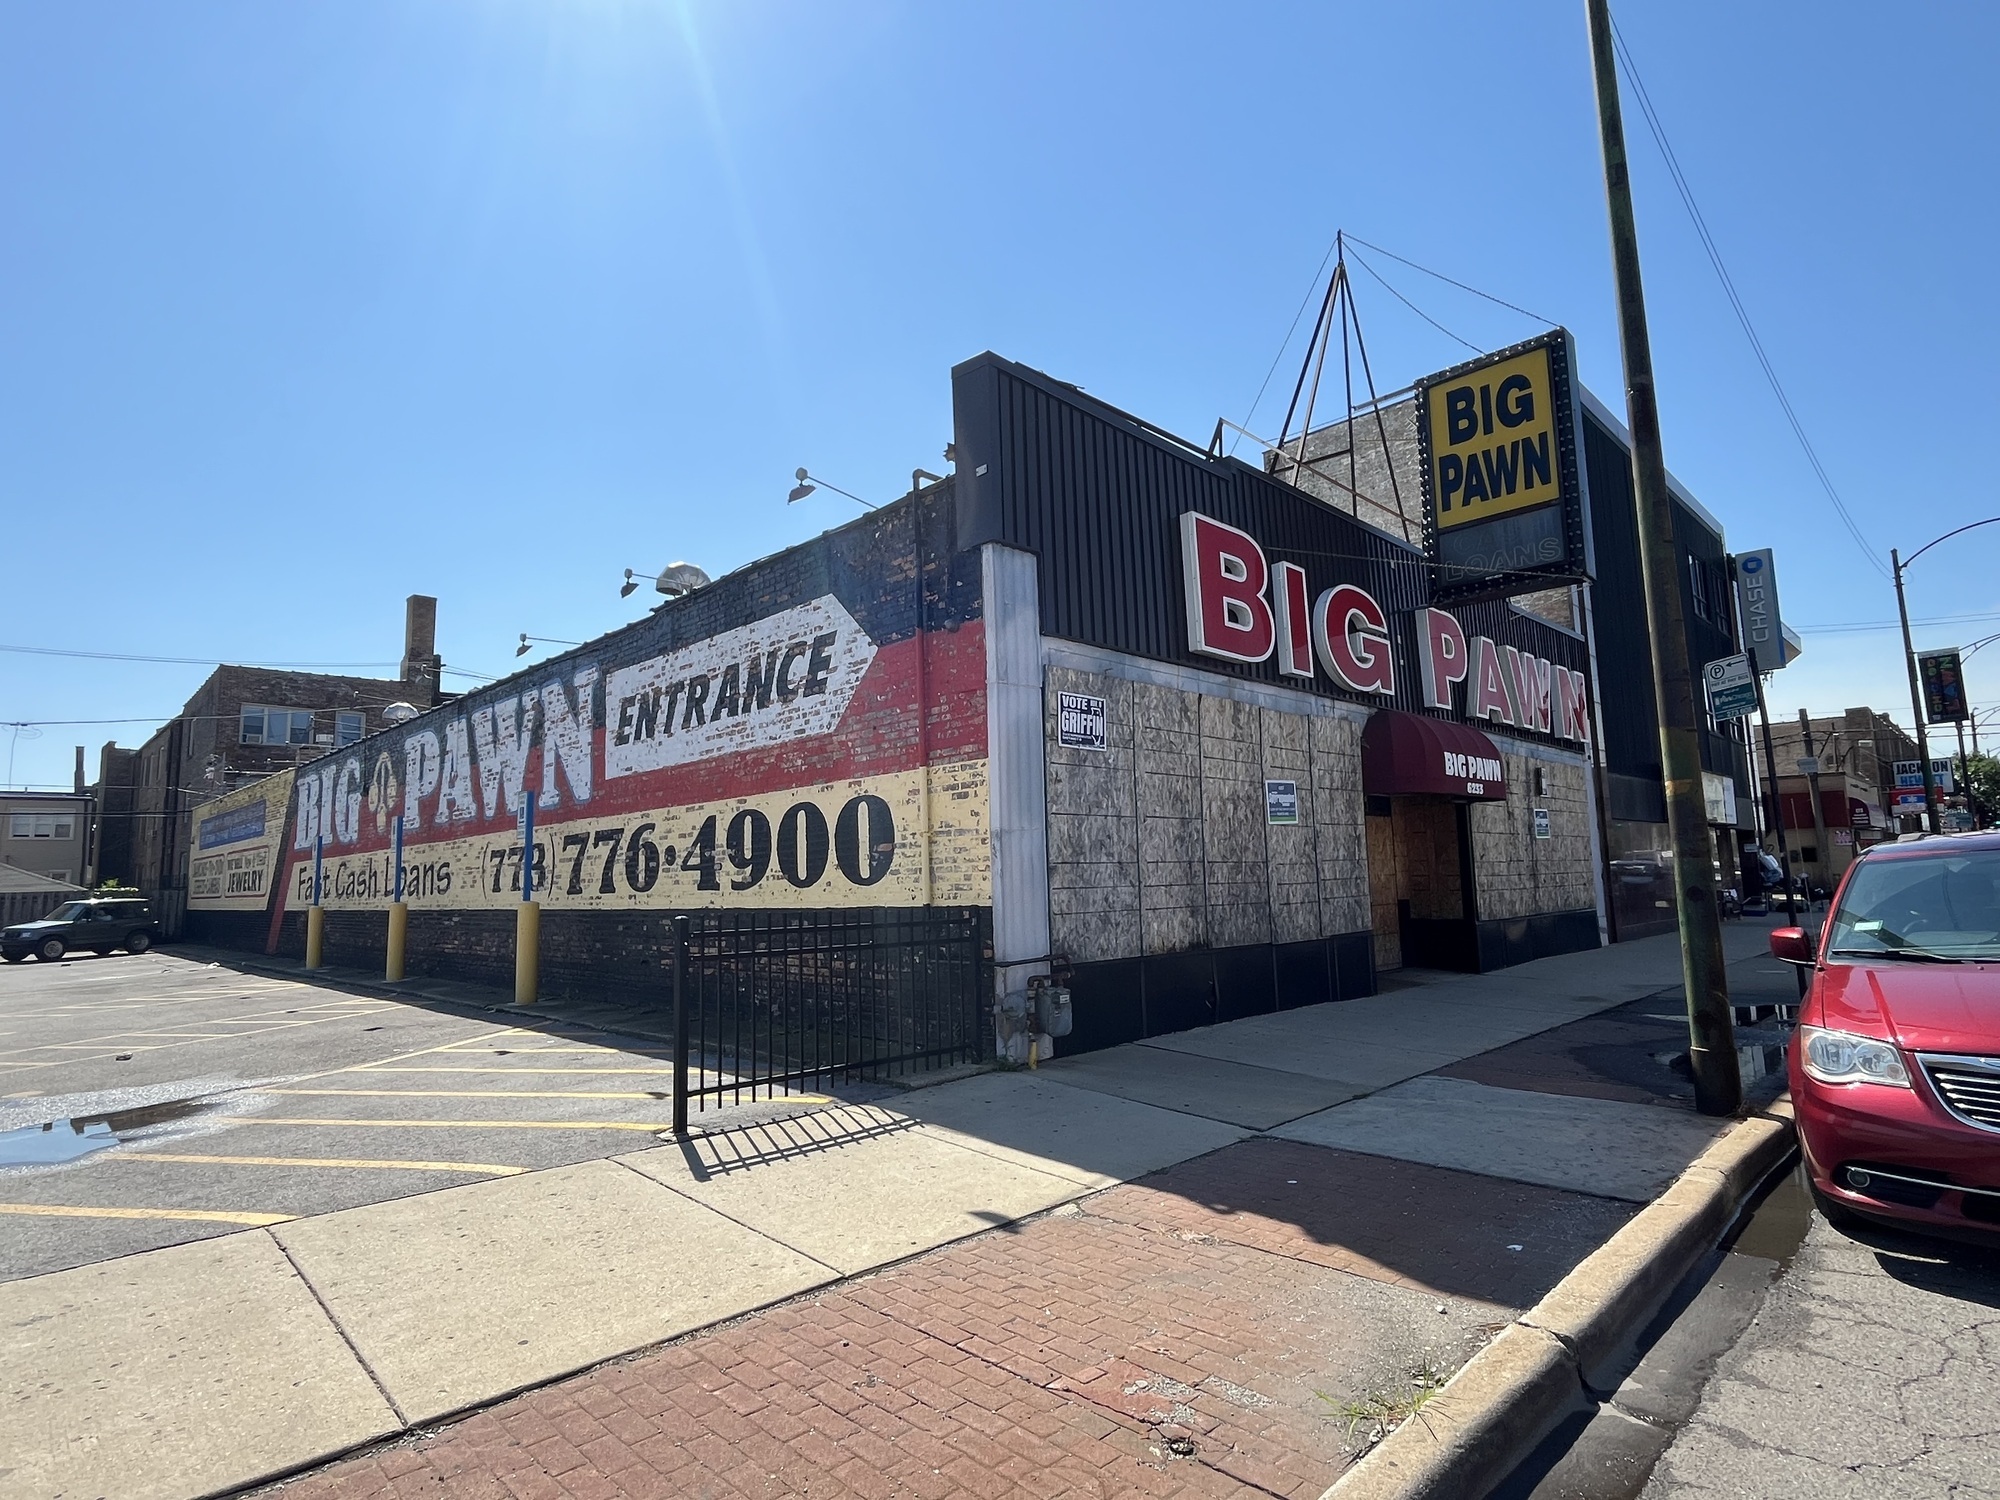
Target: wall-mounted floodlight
(681,578)
(808,483)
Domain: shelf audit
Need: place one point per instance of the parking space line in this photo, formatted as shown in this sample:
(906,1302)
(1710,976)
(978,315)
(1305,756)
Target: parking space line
(462,1093)
(501,1068)
(199,1215)
(490,1169)
(652,1129)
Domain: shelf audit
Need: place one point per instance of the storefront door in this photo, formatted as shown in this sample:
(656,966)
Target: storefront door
(1419,873)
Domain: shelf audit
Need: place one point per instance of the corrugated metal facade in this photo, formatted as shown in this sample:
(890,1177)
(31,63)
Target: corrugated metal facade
(1097,495)
(1624,650)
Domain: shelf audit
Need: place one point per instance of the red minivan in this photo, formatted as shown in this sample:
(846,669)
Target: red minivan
(1895,1066)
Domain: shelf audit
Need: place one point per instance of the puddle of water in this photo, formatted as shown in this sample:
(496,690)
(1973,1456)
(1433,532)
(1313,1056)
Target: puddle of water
(67,1140)
(63,1140)
(1777,1226)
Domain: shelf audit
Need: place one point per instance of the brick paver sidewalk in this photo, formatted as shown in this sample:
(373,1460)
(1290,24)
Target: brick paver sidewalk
(1197,1333)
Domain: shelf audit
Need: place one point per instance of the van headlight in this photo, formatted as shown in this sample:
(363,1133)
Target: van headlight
(1843,1057)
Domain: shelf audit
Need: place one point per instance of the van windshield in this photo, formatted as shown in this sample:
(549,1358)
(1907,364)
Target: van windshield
(1923,908)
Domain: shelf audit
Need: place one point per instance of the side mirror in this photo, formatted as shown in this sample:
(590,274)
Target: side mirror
(1792,945)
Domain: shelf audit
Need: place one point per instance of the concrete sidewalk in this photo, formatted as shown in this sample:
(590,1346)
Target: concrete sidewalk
(207,1367)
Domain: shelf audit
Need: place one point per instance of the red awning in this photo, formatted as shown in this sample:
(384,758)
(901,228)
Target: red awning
(1411,754)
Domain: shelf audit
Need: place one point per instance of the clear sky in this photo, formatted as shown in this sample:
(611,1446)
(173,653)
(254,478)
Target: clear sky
(307,307)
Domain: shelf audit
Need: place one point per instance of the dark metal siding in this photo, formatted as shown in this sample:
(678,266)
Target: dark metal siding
(1624,645)
(1097,496)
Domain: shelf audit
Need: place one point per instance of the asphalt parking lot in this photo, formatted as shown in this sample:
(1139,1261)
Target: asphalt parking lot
(146,1100)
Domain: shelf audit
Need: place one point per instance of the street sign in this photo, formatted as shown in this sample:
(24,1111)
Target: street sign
(1809,765)
(1732,689)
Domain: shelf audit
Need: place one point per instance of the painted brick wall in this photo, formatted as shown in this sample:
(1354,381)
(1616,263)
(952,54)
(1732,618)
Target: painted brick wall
(1159,844)
(1518,874)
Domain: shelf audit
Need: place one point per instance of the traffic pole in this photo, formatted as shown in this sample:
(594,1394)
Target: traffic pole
(1825,860)
(1718,1081)
(1916,698)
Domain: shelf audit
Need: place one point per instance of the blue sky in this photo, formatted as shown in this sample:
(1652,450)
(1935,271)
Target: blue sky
(304,308)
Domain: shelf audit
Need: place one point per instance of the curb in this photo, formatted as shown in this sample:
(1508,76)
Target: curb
(1516,1390)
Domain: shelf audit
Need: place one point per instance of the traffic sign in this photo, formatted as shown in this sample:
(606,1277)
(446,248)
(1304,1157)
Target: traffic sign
(1732,689)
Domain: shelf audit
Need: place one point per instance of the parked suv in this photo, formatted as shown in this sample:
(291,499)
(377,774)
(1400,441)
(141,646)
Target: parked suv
(98,924)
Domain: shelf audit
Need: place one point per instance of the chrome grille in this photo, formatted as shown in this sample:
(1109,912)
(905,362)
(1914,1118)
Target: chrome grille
(1969,1087)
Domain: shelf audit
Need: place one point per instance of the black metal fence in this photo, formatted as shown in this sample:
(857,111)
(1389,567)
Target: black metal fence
(769,1003)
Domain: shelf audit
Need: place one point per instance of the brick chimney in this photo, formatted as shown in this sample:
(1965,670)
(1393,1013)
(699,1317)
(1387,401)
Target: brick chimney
(421,663)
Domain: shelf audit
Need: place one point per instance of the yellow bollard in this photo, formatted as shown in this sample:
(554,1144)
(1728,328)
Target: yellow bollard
(527,951)
(315,937)
(399,931)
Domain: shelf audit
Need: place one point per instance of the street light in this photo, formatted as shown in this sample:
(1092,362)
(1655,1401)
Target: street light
(1897,564)
(548,640)
(808,483)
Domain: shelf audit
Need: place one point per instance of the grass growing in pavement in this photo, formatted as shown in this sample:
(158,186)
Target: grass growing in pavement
(1379,1413)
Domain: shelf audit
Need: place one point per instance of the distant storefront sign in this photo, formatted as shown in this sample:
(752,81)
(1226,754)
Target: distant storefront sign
(1501,497)
(1080,722)
(1944,686)
(1757,604)
(1910,773)
(1732,688)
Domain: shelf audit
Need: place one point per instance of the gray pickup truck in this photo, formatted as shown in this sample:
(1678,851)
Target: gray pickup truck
(96,924)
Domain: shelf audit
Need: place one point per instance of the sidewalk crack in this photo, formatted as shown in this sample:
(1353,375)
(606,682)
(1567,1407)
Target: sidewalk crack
(762,1234)
(402,1417)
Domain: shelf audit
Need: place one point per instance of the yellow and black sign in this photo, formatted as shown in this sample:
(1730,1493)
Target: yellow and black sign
(1493,440)
(1503,501)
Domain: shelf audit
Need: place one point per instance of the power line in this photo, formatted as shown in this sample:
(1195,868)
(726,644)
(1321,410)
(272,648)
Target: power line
(1736,302)
(1860,626)
(197,661)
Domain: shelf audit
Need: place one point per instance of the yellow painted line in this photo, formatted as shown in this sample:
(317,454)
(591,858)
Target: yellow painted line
(199,1215)
(547,1051)
(419,1052)
(489,1168)
(653,1129)
(456,1094)
(503,1068)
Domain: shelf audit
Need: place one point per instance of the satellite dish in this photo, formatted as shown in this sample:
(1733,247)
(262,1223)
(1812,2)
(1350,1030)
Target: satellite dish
(681,578)
(399,713)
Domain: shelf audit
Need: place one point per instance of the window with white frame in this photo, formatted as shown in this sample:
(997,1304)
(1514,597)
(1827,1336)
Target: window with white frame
(276,726)
(41,825)
(347,728)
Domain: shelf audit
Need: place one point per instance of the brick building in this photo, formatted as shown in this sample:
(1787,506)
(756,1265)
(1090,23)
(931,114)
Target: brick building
(1069,696)
(241,725)
(1374,472)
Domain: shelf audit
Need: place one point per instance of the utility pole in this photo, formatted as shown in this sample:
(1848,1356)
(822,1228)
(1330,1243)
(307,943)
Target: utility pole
(1916,698)
(1718,1083)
